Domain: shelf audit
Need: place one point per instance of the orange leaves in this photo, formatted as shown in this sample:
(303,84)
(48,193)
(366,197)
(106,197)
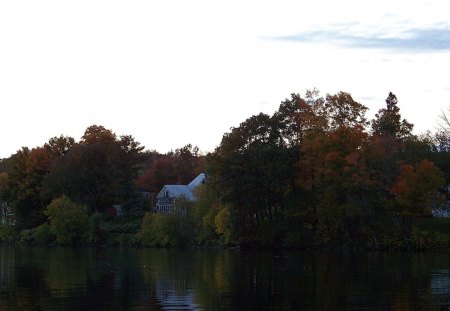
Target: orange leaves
(416,187)
(335,157)
(38,160)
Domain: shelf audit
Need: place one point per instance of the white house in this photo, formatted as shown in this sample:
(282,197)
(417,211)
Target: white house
(166,198)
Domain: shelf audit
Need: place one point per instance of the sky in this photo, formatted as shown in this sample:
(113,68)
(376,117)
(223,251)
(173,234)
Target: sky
(175,72)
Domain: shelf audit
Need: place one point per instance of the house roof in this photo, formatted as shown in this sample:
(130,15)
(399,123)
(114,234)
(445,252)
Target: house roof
(186,191)
(200,179)
(180,191)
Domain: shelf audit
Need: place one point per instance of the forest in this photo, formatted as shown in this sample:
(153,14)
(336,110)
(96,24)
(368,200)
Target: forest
(314,174)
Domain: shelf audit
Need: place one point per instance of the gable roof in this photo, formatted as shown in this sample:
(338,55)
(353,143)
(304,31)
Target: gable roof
(186,191)
(200,179)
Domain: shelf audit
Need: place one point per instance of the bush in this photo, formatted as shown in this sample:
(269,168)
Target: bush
(429,239)
(27,236)
(166,230)
(222,224)
(95,233)
(43,234)
(68,220)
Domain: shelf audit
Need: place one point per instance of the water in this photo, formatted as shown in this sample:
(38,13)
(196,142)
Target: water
(160,279)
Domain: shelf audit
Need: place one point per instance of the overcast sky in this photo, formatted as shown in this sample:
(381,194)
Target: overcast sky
(176,72)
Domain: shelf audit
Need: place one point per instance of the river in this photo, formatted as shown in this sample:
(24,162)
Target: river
(161,279)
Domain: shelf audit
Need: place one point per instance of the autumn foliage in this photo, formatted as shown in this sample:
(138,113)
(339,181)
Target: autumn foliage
(318,172)
(315,173)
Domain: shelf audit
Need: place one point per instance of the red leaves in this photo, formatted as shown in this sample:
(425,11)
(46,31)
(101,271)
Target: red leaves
(416,187)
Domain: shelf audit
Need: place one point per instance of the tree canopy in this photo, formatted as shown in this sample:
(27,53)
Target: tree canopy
(315,173)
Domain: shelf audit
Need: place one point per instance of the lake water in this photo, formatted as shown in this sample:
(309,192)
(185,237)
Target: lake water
(160,279)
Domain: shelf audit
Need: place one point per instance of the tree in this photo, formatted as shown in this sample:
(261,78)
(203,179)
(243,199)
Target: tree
(5,165)
(203,214)
(342,111)
(333,171)
(59,146)
(416,189)
(386,148)
(179,167)
(98,172)
(98,133)
(85,174)
(441,141)
(297,116)
(415,193)
(252,172)
(444,126)
(188,163)
(25,184)
(388,121)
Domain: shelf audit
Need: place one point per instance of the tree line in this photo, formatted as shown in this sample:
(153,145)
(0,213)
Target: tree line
(44,185)
(318,173)
(315,173)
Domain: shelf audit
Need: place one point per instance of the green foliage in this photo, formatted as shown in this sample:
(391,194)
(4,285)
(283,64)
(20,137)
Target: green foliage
(24,186)
(121,231)
(429,239)
(203,213)
(388,121)
(223,225)
(26,237)
(312,174)
(99,171)
(43,234)
(251,172)
(338,224)
(166,231)
(95,233)
(313,171)
(68,221)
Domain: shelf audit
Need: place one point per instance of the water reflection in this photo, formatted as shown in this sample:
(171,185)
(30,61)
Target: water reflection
(160,279)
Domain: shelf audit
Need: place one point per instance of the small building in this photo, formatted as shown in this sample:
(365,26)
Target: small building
(114,211)
(169,194)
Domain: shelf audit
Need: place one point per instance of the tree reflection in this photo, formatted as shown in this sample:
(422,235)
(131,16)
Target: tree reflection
(161,279)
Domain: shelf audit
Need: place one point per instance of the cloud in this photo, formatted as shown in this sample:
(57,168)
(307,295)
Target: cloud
(410,40)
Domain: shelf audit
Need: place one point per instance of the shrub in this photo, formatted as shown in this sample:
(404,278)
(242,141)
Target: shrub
(422,239)
(222,224)
(95,233)
(166,230)
(43,234)
(67,220)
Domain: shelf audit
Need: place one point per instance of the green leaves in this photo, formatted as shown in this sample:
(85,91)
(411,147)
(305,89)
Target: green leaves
(68,220)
